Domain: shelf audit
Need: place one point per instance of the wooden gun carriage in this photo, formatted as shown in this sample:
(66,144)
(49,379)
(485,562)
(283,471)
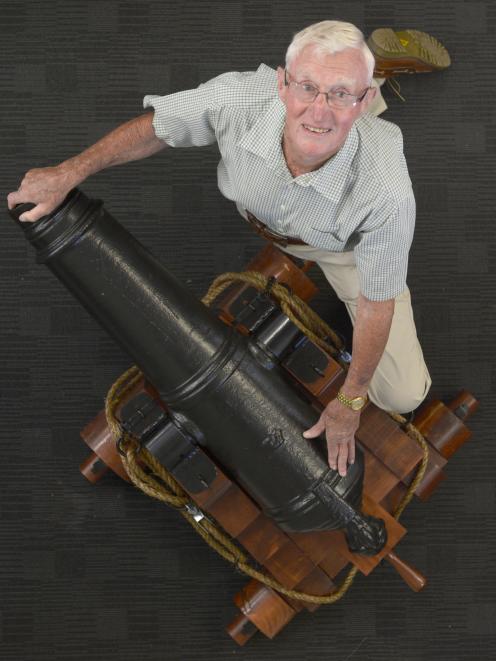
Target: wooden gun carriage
(304,560)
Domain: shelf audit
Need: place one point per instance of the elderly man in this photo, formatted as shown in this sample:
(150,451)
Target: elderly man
(302,158)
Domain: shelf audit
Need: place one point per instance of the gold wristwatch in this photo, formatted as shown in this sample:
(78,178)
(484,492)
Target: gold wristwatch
(355,403)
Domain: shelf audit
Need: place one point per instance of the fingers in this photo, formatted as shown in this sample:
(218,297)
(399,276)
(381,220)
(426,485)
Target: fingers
(351,453)
(338,454)
(13,199)
(17,197)
(33,214)
(23,193)
(340,425)
(342,459)
(332,455)
(335,452)
(317,429)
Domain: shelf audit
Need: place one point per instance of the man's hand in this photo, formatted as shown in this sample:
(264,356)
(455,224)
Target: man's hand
(45,187)
(340,424)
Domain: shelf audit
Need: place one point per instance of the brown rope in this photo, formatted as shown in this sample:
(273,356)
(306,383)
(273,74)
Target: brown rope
(158,483)
(292,305)
(414,433)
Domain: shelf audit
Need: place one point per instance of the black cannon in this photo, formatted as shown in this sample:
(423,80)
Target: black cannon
(225,392)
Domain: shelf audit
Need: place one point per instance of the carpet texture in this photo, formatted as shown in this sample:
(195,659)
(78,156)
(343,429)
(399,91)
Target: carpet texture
(104,573)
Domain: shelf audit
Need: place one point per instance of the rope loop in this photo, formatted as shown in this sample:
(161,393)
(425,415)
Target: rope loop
(148,474)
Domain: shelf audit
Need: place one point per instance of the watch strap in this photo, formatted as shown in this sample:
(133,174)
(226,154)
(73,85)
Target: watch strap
(355,403)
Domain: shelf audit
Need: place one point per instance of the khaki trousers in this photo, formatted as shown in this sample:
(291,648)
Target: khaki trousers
(401,380)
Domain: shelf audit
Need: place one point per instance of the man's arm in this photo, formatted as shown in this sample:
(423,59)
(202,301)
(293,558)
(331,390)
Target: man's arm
(47,187)
(370,334)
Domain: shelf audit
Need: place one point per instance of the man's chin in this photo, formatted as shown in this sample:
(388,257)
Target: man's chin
(321,152)
(311,152)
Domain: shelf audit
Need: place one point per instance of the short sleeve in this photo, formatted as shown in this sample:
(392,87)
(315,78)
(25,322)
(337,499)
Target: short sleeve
(184,119)
(190,118)
(381,253)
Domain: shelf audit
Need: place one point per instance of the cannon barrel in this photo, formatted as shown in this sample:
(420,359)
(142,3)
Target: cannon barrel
(218,384)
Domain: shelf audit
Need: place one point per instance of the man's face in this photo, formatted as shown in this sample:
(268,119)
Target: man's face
(345,71)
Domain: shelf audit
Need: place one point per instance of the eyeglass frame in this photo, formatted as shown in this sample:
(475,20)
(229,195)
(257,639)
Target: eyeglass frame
(358,99)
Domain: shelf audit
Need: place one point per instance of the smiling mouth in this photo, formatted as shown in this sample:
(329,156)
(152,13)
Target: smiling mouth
(315,129)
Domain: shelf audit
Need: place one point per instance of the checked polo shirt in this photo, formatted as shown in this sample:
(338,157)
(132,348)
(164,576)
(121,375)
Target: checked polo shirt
(361,199)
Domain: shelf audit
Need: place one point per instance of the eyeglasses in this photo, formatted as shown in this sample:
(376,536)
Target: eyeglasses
(307,92)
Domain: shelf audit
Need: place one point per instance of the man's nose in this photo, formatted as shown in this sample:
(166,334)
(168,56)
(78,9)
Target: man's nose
(320,107)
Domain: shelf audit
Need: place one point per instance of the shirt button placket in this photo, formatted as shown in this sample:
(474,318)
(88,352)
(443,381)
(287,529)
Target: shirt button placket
(283,207)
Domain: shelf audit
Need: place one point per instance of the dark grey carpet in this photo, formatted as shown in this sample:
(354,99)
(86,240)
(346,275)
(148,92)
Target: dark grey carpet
(103,572)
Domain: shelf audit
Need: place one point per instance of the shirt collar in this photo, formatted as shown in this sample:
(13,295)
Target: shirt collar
(264,139)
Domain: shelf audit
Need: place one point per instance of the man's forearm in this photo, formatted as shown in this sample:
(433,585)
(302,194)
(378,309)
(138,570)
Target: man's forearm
(47,187)
(370,335)
(131,141)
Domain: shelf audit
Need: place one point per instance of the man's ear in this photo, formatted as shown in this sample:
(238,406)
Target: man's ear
(281,87)
(365,104)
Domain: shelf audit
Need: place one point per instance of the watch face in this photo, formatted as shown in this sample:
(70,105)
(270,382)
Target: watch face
(357,403)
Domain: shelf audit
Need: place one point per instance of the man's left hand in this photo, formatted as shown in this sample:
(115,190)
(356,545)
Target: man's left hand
(340,424)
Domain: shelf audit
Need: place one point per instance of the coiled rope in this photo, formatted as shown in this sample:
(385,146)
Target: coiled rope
(148,474)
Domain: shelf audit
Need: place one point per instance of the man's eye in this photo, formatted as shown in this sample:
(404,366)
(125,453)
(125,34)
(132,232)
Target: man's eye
(339,94)
(306,87)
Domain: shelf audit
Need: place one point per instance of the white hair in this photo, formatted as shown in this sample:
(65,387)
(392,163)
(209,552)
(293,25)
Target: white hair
(329,37)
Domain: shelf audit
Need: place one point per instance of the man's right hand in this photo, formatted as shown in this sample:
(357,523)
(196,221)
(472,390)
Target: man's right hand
(44,187)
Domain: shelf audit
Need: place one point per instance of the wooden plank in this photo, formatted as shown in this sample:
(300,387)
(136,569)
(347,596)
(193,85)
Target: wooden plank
(391,500)
(316,583)
(442,428)
(331,389)
(289,565)
(433,475)
(378,479)
(234,510)
(314,544)
(382,436)
(262,538)
(333,563)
